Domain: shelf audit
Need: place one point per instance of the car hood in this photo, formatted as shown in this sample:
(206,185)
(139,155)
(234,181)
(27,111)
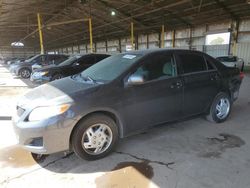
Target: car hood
(55,93)
(17,63)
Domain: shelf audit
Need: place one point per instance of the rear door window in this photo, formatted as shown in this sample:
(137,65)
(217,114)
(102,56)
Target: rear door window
(192,63)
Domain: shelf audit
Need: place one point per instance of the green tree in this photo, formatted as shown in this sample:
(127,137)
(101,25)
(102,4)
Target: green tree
(217,41)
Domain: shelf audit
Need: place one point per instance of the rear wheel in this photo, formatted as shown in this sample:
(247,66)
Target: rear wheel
(25,73)
(220,108)
(39,158)
(95,137)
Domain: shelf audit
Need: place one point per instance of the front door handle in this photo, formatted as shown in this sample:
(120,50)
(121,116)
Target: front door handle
(176,85)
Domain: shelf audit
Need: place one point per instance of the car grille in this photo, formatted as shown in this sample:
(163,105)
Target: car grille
(20,111)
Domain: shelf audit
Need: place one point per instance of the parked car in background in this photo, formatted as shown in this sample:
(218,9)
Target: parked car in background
(50,60)
(232,61)
(121,95)
(24,69)
(10,60)
(75,64)
(18,60)
(13,66)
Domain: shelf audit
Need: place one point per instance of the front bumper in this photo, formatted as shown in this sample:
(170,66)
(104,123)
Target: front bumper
(40,79)
(45,137)
(14,71)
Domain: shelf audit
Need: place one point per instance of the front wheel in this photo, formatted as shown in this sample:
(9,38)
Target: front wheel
(220,108)
(95,137)
(57,77)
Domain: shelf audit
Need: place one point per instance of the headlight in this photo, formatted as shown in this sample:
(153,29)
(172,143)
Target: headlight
(44,112)
(43,73)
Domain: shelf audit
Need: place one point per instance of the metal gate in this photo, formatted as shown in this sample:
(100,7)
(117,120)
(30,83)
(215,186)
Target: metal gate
(217,50)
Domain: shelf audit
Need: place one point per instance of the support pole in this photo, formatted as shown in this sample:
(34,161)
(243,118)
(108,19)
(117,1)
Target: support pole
(132,35)
(190,38)
(147,41)
(106,45)
(137,42)
(90,35)
(173,38)
(40,33)
(235,37)
(162,36)
(120,45)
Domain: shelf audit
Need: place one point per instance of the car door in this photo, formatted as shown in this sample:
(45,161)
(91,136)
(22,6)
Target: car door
(158,99)
(200,82)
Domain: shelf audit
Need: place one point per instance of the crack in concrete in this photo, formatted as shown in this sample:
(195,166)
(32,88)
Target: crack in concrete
(147,160)
(41,167)
(69,154)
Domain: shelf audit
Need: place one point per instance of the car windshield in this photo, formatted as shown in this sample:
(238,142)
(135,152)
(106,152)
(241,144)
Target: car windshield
(110,68)
(70,60)
(31,59)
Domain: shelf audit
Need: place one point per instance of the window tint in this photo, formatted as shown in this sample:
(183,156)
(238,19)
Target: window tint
(156,67)
(101,57)
(87,60)
(43,58)
(192,63)
(210,65)
(59,59)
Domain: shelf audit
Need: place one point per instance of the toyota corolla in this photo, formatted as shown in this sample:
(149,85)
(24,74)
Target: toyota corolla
(122,95)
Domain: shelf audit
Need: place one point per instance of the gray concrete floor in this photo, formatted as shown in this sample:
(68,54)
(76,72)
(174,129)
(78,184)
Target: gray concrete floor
(193,153)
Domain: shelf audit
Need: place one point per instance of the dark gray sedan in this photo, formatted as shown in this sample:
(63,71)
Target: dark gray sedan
(122,95)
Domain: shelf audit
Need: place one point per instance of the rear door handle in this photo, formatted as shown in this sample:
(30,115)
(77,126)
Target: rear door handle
(214,77)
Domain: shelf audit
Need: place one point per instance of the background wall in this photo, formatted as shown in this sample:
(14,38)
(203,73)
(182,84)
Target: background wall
(184,39)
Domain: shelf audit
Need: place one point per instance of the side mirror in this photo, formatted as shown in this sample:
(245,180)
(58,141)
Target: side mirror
(135,79)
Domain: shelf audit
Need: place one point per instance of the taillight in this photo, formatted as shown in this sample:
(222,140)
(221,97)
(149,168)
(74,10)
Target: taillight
(241,75)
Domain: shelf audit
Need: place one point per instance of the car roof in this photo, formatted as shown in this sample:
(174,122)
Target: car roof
(79,54)
(150,51)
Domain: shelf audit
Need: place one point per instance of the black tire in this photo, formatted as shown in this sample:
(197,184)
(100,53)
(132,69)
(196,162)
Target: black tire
(80,135)
(213,115)
(57,77)
(39,158)
(25,73)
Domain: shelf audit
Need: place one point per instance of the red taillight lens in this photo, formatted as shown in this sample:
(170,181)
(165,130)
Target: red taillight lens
(241,75)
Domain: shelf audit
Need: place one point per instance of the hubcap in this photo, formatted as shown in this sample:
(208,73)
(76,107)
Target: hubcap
(97,139)
(222,108)
(25,73)
(58,77)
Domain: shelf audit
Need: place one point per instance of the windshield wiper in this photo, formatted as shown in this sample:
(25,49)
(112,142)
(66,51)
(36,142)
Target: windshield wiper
(88,78)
